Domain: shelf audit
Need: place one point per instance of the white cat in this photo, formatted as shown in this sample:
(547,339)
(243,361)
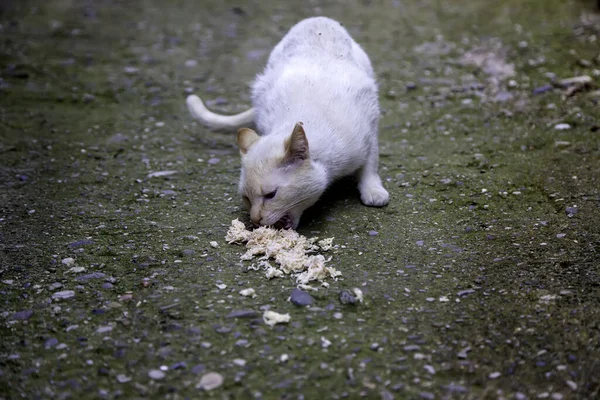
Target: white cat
(317,110)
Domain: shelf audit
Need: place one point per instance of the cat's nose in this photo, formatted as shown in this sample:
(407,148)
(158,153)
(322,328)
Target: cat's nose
(255,216)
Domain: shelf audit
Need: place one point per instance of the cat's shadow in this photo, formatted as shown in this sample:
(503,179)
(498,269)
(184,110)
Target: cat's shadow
(343,191)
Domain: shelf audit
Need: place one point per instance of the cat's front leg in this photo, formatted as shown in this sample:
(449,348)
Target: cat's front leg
(372,192)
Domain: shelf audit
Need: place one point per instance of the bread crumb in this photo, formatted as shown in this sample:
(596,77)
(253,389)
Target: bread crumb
(271,318)
(287,248)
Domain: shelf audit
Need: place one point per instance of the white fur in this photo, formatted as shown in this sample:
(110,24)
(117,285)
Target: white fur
(320,76)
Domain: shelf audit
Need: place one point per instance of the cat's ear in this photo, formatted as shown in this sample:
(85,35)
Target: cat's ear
(296,146)
(246,137)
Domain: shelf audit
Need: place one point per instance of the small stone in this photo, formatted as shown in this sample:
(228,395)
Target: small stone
(248,292)
(239,362)
(494,375)
(502,97)
(107,286)
(571,211)
(429,369)
(191,63)
(88,98)
(131,70)
(463,353)
(179,365)
(571,384)
(542,89)
(373,233)
(22,315)
(465,292)
(301,298)
(213,161)
(214,244)
(243,314)
(126,297)
(156,374)
(576,80)
(562,127)
(93,275)
(51,342)
(347,298)
(68,261)
(210,381)
(584,63)
(122,378)
(65,294)
(158,174)
(104,329)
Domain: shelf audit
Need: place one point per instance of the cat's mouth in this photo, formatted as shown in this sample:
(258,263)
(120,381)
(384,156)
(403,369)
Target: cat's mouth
(284,222)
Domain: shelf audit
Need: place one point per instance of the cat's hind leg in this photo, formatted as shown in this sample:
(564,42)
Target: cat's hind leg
(372,192)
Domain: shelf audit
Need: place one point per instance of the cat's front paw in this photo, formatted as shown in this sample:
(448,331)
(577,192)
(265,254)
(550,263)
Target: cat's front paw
(374,196)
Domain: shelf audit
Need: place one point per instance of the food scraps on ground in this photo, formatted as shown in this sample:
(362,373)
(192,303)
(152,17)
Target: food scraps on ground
(289,250)
(272,318)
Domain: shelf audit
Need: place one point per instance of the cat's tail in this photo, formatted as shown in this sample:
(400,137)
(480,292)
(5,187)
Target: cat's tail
(217,121)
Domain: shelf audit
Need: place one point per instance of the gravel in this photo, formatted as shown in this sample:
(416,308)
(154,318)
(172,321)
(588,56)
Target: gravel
(301,298)
(210,381)
(346,297)
(65,294)
(156,374)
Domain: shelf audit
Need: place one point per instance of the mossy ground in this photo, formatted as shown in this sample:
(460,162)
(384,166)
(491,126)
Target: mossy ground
(492,209)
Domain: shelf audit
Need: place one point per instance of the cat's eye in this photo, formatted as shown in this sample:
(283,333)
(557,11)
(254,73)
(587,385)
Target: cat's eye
(270,195)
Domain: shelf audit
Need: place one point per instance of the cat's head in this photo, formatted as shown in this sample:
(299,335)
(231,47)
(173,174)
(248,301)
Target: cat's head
(278,180)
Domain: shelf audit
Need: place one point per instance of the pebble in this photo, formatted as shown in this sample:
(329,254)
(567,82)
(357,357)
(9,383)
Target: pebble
(301,298)
(213,161)
(121,378)
(542,89)
(562,127)
(373,233)
(191,63)
(93,275)
(22,315)
(179,365)
(347,298)
(88,98)
(571,210)
(210,381)
(156,374)
(571,384)
(214,244)
(465,292)
(243,314)
(65,294)
(158,174)
(68,261)
(494,375)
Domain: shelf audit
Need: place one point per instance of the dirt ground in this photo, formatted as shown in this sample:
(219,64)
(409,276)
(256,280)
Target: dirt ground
(481,279)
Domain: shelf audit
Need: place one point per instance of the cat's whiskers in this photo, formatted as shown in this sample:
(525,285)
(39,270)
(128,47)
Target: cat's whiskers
(281,214)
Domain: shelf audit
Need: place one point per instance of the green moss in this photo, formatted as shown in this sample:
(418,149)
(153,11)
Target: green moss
(479,196)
